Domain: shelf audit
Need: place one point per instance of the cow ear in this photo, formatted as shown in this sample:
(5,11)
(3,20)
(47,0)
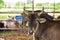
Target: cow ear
(42,20)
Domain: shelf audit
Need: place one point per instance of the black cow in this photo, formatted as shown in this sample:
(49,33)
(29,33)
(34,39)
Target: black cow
(1,24)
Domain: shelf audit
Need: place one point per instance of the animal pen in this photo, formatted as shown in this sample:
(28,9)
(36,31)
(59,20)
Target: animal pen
(22,32)
(8,33)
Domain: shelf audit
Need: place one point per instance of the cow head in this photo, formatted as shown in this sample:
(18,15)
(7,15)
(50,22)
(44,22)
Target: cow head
(35,19)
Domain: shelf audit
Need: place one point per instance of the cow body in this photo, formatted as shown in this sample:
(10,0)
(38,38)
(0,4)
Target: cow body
(47,30)
(11,24)
(42,32)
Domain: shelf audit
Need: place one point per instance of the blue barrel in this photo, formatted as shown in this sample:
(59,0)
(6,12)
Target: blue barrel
(18,17)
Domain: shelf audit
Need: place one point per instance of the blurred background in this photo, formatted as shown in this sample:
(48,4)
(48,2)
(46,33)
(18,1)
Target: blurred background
(13,7)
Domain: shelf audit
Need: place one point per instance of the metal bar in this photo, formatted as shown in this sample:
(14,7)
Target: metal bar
(11,21)
(12,28)
(33,6)
(54,12)
(9,28)
(24,6)
(54,9)
(10,11)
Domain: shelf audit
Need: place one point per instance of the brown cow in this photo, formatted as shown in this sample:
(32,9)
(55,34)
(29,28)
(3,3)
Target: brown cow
(47,29)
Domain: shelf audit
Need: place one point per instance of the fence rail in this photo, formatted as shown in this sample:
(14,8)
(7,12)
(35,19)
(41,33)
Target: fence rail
(9,28)
(14,29)
(54,12)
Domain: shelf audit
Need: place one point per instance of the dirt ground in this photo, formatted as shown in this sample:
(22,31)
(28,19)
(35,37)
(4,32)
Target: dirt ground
(15,36)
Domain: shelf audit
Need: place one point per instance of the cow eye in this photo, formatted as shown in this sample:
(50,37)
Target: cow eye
(42,20)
